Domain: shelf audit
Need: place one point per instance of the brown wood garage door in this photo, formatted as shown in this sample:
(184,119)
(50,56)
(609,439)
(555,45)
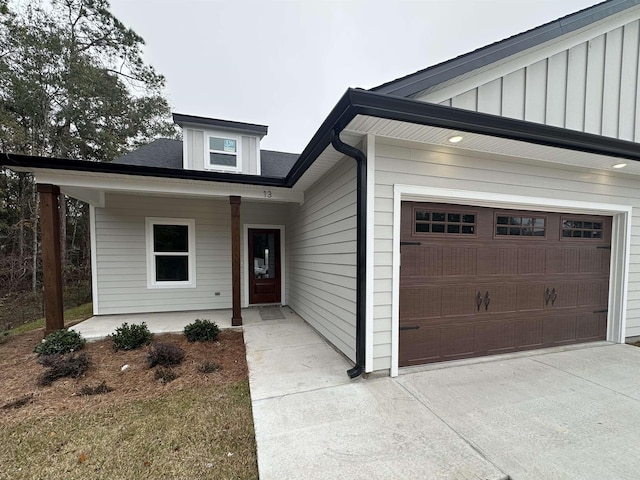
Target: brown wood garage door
(483,281)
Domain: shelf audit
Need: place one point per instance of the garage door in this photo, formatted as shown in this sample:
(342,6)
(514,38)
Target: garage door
(483,281)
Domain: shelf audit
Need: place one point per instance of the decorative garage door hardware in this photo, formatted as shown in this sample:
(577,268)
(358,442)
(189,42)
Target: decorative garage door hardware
(485,293)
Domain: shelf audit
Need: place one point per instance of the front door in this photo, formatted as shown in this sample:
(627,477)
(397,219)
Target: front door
(264,266)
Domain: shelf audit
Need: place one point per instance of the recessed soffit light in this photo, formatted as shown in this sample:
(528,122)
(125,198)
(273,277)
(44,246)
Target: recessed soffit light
(455,139)
(619,165)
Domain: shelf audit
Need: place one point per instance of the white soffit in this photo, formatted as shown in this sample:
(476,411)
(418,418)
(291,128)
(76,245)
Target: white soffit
(487,144)
(325,161)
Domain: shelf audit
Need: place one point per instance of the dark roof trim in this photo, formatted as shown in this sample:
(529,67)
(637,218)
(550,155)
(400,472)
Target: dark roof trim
(27,161)
(181,119)
(442,72)
(362,102)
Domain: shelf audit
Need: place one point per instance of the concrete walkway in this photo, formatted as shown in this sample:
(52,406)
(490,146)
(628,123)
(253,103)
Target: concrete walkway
(572,414)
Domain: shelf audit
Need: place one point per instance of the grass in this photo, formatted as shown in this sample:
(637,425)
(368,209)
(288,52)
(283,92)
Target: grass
(202,433)
(71,316)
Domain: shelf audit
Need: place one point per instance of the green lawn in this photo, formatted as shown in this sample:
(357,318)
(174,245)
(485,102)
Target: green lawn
(71,316)
(189,434)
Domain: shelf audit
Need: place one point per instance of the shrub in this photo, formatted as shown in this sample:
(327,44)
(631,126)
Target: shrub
(165,375)
(97,390)
(209,367)
(60,366)
(130,337)
(60,341)
(165,354)
(201,331)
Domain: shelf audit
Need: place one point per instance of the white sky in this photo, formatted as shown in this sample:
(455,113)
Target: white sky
(285,64)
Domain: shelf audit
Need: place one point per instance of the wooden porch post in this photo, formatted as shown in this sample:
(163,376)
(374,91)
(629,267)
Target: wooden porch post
(51,264)
(235,201)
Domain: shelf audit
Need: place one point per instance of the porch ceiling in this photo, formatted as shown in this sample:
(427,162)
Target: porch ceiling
(474,142)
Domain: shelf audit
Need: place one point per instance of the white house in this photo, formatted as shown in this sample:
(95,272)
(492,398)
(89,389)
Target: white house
(488,204)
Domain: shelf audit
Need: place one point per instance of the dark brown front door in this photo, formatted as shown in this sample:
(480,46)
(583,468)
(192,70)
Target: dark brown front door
(264,266)
(481,281)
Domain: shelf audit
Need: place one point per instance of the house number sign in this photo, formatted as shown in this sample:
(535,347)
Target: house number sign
(267,194)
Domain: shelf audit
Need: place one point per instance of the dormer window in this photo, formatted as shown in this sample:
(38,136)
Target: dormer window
(222,152)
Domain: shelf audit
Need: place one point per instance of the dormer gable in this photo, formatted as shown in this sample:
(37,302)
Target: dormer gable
(215,145)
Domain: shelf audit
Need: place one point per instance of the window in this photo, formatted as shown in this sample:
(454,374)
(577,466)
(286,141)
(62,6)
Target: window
(170,252)
(517,226)
(441,222)
(582,228)
(222,153)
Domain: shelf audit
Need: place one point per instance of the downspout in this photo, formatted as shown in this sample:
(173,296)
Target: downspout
(361,249)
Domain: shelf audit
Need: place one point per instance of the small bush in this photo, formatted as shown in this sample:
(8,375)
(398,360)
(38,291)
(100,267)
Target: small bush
(165,375)
(201,331)
(209,367)
(165,354)
(60,341)
(130,337)
(97,390)
(60,366)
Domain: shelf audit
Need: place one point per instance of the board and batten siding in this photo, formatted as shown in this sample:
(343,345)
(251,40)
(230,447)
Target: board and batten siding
(404,165)
(321,244)
(121,251)
(592,87)
(195,150)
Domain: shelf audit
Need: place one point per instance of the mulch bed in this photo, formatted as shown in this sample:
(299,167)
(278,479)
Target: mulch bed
(21,397)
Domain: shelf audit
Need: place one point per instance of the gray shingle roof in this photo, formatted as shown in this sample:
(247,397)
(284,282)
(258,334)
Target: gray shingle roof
(167,153)
(163,152)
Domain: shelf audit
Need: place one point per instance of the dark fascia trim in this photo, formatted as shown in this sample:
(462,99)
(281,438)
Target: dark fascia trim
(421,80)
(27,161)
(362,102)
(181,119)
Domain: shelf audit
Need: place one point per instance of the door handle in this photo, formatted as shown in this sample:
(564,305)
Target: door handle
(487,301)
(547,297)
(479,300)
(554,296)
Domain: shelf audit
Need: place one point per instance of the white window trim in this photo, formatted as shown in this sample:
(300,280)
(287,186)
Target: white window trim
(151,264)
(222,168)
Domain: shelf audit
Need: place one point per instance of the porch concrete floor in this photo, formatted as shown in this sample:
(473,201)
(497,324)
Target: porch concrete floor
(98,327)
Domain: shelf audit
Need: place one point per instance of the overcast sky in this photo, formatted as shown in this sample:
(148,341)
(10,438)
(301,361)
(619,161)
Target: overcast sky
(285,64)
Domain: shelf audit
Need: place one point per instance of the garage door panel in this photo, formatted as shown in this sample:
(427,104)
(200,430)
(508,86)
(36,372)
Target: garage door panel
(421,261)
(531,260)
(593,293)
(530,297)
(458,300)
(490,292)
(420,302)
(562,260)
(564,293)
(595,260)
(458,261)
(529,333)
(591,326)
(559,330)
(497,260)
(501,298)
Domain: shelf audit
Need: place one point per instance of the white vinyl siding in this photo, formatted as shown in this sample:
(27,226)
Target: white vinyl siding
(321,244)
(121,251)
(121,254)
(591,86)
(397,164)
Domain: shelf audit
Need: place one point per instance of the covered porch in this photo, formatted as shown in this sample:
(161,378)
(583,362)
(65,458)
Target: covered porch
(98,327)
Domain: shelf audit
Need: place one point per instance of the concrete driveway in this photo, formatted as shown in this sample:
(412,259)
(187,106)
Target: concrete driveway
(572,414)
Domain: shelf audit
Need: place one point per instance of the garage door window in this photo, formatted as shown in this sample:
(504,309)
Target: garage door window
(443,222)
(580,228)
(516,226)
